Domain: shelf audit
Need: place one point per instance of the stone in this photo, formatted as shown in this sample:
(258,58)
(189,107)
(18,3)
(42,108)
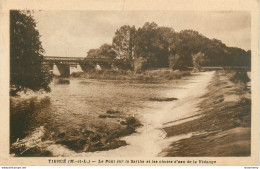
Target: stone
(106,116)
(137,124)
(36,152)
(218,101)
(102,116)
(163,99)
(95,137)
(130,120)
(112,112)
(98,144)
(62,81)
(74,143)
(126,131)
(116,144)
(111,145)
(88,132)
(62,134)
(123,123)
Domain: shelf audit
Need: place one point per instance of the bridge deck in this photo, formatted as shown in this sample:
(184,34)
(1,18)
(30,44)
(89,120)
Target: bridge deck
(79,59)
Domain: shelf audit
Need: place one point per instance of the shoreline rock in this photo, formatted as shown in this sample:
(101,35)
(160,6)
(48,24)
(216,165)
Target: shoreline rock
(113,112)
(106,116)
(163,99)
(101,140)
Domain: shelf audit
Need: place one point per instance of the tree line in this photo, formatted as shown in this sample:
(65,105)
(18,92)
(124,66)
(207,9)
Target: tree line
(156,46)
(163,47)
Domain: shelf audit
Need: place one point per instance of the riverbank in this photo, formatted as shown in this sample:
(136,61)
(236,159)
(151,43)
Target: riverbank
(221,126)
(104,132)
(145,76)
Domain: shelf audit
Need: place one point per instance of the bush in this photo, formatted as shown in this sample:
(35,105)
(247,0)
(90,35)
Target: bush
(244,101)
(198,60)
(239,77)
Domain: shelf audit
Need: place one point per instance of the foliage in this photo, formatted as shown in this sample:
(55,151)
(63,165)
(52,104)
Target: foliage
(176,62)
(105,51)
(93,53)
(199,60)
(139,64)
(123,42)
(238,57)
(163,47)
(152,42)
(144,76)
(240,88)
(26,54)
(239,77)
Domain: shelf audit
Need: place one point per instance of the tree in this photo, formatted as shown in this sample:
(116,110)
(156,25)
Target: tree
(188,42)
(238,57)
(163,47)
(145,37)
(105,51)
(152,43)
(123,42)
(176,62)
(93,53)
(248,58)
(165,39)
(199,60)
(26,54)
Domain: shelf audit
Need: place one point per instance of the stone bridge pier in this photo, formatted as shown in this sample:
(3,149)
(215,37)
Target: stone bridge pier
(62,70)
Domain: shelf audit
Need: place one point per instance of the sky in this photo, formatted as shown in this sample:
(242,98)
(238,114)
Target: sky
(73,33)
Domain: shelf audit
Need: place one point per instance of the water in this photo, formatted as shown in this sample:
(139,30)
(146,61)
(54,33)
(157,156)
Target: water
(74,105)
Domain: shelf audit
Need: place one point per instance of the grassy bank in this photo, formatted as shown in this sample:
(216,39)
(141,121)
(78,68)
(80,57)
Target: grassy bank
(148,75)
(224,124)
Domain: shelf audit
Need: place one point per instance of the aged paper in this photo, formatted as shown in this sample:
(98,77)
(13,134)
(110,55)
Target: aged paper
(153,123)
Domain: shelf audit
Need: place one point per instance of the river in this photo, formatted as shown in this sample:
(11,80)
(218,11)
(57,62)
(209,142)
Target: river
(76,105)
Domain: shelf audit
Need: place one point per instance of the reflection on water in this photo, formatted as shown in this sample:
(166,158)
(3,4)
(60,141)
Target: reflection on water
(61,81)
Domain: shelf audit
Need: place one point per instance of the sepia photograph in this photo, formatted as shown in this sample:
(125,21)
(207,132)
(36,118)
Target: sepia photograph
(133,83)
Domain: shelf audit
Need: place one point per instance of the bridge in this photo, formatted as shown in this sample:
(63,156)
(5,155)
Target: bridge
(64,65)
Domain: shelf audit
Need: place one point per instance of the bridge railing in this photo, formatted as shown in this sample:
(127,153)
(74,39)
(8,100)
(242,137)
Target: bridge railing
(79,59)
(51,58)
